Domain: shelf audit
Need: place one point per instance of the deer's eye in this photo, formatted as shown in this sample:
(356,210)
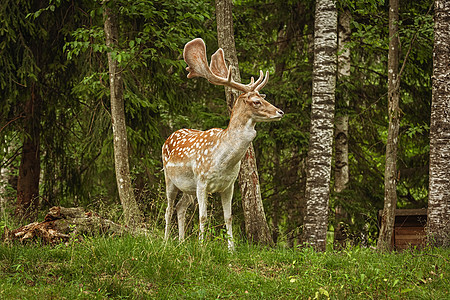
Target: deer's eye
(256,103)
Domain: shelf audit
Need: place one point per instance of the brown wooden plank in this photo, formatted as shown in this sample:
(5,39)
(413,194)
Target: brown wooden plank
(409,237)
(409,230)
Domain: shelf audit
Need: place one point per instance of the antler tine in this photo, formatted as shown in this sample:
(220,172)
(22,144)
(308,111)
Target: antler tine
(266,79)
(255,84)
(230,74)
(259,84)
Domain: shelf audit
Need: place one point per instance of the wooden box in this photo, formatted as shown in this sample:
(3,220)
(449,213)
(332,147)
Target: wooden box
(409,228)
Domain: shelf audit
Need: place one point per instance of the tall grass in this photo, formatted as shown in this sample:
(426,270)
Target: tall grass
(142,267)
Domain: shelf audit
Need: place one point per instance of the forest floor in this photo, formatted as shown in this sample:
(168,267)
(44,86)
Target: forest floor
(146,267)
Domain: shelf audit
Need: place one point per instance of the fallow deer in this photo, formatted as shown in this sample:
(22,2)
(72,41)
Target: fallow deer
(201,162)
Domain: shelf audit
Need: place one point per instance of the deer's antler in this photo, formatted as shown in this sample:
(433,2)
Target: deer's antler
(217,73)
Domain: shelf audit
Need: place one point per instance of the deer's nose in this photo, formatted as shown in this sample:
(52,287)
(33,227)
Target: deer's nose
(280,112)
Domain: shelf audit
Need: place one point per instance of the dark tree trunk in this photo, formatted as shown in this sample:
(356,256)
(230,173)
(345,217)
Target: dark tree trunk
(255,219)
(132,215)
(30,165)
(322,125)
(438,224)
(256,226)
(296,204)
(390,171)
(276,199)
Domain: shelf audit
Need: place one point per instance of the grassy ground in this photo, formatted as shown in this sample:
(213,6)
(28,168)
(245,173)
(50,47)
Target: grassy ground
(139,268)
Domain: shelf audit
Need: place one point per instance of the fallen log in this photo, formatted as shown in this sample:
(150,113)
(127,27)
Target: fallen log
(61,224)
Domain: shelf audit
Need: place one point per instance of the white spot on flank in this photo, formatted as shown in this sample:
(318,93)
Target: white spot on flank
(171,164)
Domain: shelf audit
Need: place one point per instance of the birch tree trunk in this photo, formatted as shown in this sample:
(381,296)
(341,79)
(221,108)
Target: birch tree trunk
(390,171)
(256,226)
(131,212)
(341,132)
(30,164)
(438,224)
(322,123)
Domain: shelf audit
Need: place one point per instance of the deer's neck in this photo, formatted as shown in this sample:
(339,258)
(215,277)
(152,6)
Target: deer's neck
(237,138)
(241,127)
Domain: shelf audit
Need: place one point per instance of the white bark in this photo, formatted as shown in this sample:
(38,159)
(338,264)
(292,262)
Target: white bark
(438,225)
(341,171)
(322,123)
(341,133)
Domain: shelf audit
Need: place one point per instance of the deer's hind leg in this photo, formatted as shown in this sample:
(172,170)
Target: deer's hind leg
(171,192)
(181,207)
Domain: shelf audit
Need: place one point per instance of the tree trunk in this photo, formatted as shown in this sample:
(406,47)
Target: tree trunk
(3,183)
(30,165)
(275,200)
(438,224)
(296,204)
(256,226)
(6,171)
(322,125)
(341,174)
(132,214)
(390,171)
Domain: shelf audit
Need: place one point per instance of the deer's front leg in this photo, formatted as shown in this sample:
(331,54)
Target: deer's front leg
(227,198)
(202,198)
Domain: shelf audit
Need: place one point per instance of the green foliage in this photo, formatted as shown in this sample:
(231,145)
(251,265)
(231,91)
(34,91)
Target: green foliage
(143,267)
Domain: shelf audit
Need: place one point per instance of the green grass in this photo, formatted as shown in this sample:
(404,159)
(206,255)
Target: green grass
(140,268)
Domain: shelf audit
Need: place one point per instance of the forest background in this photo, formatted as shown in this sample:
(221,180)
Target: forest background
(55,92)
